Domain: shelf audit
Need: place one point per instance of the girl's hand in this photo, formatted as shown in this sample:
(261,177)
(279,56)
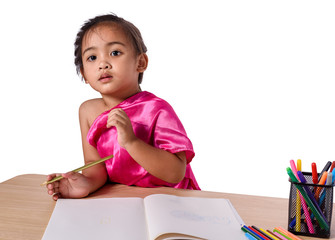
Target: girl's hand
(73,185)
(119,119)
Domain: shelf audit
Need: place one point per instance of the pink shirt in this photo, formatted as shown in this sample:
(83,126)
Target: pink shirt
(155,122)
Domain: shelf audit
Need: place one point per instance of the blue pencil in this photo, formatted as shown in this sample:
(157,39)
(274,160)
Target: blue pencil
(249,236)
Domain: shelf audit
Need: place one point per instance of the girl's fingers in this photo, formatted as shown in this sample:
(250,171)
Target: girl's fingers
(117,110)
(118,113)
(53,188)
(56,184)
(72,175)
(117,117)
(51,176)
(115,121)
(56,196)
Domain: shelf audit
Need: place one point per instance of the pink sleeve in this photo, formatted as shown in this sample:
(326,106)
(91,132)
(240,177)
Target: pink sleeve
(170,135)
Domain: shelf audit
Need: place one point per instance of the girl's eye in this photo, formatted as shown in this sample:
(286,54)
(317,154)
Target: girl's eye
(115,53)
(91,58)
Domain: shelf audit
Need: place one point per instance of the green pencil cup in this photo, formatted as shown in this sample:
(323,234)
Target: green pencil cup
(314,222)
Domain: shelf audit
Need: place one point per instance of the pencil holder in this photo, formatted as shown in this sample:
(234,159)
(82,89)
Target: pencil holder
(310,220)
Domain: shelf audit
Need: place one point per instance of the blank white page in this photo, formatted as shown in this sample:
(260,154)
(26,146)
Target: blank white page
(108,218)
(209,218)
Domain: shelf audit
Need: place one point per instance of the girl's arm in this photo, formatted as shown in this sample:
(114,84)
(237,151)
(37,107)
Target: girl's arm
(159,163)
(77,185)
(96,175)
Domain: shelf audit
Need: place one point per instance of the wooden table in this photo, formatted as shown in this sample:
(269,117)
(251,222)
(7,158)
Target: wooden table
(25,206)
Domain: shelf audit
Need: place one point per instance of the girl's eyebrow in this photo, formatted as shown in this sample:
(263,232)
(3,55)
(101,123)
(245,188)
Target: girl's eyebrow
(108,44)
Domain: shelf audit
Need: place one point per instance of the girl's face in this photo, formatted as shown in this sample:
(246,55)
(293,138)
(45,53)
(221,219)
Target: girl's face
(110,64)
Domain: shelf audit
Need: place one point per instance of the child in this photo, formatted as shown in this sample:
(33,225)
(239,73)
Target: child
(148,141)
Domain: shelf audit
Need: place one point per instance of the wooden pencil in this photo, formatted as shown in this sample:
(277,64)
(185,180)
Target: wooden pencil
(79,169)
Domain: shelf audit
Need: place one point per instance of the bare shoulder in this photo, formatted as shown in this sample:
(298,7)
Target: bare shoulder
(90,110)
(90,104)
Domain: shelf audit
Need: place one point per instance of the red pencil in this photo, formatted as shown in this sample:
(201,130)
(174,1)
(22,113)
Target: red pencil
(332,166)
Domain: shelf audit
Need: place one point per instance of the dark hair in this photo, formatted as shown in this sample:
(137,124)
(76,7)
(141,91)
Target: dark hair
(129,29)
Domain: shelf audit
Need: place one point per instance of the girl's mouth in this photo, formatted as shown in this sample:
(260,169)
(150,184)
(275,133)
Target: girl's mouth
(105,77)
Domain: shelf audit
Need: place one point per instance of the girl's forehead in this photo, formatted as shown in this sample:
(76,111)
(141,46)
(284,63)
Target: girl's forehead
(106,32)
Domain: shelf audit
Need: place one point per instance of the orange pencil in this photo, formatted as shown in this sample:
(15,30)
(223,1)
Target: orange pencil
(321,182)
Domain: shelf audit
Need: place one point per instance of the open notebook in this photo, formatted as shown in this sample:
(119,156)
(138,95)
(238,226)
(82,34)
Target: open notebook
(155,217)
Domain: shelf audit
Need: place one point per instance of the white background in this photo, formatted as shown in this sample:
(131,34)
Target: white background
(252,82)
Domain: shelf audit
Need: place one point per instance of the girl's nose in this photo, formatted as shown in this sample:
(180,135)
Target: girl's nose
(104,65)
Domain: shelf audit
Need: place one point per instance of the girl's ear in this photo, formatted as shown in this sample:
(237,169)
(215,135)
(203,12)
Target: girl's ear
(142,62)
(82,74)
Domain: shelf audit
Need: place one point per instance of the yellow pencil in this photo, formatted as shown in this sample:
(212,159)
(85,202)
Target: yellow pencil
(298,203)
(269,234)
(79,169)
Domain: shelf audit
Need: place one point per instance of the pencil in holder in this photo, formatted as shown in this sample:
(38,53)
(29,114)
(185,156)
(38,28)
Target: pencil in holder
(310,220)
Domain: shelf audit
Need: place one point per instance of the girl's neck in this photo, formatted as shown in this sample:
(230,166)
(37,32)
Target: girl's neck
(113,100)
